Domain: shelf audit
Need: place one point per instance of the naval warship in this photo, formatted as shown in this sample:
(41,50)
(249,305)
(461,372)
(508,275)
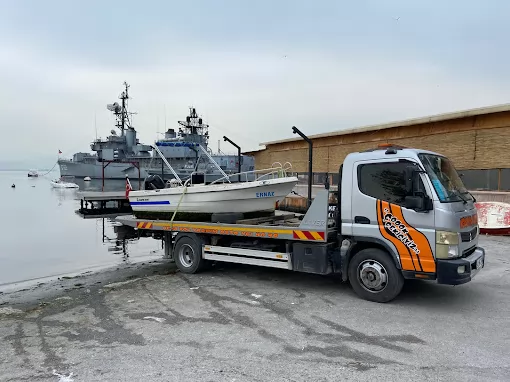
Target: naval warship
(182,150)
(121,155)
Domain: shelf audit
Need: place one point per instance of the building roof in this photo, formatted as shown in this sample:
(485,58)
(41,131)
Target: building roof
(251,152)
(407,122)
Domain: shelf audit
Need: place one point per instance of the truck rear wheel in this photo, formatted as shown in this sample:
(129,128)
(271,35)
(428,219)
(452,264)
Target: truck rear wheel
(188,254)
(374,276)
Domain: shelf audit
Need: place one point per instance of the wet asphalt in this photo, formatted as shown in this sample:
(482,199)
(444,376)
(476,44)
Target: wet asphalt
(241,323)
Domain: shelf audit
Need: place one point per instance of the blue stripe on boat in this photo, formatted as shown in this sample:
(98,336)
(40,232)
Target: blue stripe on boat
(149,203)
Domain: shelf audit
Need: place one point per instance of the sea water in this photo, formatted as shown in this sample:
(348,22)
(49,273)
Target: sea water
(41,236)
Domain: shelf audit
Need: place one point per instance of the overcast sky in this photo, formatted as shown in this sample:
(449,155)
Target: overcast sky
(251,68)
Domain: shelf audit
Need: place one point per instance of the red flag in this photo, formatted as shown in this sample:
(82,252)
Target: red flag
(128,188)
(60,152)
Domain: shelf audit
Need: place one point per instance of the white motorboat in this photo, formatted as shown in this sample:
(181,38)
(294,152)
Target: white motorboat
(244,197)
(194,196)
(32,174)
(59,183)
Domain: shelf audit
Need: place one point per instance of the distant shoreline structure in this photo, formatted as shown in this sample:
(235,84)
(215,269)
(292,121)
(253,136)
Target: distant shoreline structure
(26,169)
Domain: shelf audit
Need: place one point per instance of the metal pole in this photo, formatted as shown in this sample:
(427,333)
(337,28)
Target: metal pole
(139,177)
(295,130)
(155,147)
(104,166)
(238,156)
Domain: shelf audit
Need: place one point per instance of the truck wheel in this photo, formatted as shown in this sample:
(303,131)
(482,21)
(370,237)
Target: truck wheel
(188,255)
(374,276)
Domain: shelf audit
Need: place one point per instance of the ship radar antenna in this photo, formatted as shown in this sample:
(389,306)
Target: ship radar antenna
(124,118)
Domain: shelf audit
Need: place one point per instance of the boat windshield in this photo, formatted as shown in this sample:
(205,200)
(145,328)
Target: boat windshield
(445,179)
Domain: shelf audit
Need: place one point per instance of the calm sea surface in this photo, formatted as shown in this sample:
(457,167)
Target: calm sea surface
(41,235)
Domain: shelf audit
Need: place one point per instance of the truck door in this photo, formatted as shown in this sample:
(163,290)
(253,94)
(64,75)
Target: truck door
(379,215)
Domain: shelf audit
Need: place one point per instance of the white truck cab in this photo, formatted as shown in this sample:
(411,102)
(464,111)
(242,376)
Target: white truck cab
(409,204)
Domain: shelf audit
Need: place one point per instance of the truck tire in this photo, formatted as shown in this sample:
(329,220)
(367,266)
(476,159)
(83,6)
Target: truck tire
(188,254)
(374,276)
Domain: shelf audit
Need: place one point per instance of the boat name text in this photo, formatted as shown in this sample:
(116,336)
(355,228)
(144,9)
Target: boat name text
(268,194)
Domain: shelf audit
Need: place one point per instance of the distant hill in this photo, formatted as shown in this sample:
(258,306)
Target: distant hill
(39,164)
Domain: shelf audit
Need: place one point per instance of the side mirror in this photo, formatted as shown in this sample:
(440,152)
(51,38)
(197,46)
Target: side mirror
(418,203)
(415,200)
(414,203)
(410,173)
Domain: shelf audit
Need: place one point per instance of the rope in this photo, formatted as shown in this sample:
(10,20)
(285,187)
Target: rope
(295,193)
(149,167)
(178,205)
(51,169)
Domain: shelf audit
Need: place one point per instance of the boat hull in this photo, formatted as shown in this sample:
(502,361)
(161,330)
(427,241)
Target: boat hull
(212,199)
(493,217)
(64,185)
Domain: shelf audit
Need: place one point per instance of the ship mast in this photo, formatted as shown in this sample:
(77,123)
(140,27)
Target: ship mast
(121,113)
(124,97)
(194,126)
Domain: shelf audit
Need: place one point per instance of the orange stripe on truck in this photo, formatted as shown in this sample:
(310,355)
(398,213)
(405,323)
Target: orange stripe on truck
(425,256)
(406,260)
(412,245)
(308,235)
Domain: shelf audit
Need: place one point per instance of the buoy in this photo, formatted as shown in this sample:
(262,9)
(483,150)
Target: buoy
(13,185)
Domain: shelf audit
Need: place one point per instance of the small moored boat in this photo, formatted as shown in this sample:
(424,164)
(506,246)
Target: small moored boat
(32,174)
(59,183)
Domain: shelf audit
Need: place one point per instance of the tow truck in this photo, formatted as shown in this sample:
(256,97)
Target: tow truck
(400,213)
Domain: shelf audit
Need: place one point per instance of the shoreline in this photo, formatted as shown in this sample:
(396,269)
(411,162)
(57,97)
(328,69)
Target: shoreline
(74,284)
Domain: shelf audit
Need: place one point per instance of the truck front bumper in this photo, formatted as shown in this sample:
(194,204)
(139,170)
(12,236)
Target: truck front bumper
(460,271)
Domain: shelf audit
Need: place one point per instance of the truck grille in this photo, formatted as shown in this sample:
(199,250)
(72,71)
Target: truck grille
(468,236)
(468,252)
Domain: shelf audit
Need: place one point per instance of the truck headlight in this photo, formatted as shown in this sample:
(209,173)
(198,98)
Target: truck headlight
(447,245)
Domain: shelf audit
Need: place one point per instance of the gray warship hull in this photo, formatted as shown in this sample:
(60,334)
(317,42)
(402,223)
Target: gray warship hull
(95,170)
(114,170)
(209,177)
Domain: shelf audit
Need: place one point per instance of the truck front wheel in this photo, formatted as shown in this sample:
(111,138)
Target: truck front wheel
(374,276)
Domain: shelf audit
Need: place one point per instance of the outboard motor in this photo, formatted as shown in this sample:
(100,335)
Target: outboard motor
(154,182)
(197,178)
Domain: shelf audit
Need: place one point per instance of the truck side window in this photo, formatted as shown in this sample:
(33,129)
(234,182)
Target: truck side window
(384,181)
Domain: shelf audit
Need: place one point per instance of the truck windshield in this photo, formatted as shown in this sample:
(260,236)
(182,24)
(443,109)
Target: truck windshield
(445,179)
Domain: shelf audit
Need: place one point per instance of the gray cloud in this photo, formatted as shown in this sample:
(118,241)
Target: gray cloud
(252,71)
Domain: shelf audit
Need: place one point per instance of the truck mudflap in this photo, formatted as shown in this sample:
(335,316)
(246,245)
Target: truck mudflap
(460,271)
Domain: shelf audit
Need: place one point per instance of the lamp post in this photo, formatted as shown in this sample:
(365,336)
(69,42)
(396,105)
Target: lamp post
(295,130)
(238,156)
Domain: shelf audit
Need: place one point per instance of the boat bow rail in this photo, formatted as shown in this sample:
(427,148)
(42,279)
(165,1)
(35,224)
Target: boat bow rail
(277,170)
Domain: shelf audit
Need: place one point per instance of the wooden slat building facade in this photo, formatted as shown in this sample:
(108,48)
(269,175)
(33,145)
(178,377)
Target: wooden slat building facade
(477,140)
